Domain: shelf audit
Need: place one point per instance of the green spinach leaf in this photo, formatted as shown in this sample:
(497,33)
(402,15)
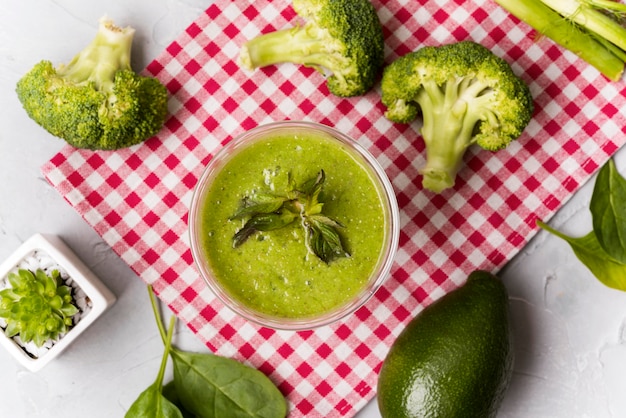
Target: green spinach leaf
(211,386)
(603,250)
(151,403)
(170,392)
(592,255)
(608,209)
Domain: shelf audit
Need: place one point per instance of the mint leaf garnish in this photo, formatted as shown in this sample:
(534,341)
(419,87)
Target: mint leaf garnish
(269,211)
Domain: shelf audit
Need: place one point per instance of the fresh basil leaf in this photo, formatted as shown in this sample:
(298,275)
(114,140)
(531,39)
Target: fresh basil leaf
(263,222)
(324,238)
(266,212)
(608,210)
(313,186)
(272,221)
(211,386)
(311,191)
(152,404)
(605,268)
(261,203)
(325,220)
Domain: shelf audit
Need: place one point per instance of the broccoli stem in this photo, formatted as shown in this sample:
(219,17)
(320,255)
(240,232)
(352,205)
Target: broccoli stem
(108,53)
(548,22)
(449,115)
(588,16)
(444,155)
(608,5)
(305,45)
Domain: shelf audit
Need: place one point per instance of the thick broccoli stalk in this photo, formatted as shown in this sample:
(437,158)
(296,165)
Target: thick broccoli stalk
(465,94)
(591,29)
(340,38)
(96,101)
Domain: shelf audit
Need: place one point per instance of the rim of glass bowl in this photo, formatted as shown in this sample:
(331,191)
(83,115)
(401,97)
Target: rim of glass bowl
(383,269)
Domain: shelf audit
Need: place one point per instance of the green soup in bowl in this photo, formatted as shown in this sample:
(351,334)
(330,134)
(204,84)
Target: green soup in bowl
(293,225)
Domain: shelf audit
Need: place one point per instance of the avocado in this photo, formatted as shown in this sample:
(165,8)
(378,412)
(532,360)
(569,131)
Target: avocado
(454,359)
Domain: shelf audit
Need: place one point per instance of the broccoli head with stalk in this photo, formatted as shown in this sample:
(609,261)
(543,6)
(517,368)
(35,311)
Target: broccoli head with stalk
(341,38)
(96,101)
(465,94)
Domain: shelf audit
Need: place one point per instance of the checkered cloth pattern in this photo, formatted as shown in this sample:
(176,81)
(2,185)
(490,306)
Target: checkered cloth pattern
(137,199)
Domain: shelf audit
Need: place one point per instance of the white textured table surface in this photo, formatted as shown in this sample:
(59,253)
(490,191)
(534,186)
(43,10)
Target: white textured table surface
(570,330)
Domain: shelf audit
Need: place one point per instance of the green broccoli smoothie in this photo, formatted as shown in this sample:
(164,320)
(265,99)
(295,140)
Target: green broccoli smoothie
(276,270)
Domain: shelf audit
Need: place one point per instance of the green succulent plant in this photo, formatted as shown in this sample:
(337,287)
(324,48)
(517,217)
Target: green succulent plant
(37,306)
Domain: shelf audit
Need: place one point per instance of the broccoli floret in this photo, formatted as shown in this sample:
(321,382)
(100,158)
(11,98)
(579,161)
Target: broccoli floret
(340,38)
(96,101)
(465,95)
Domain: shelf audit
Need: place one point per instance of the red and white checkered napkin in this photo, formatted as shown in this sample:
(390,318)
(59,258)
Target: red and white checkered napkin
(138,198)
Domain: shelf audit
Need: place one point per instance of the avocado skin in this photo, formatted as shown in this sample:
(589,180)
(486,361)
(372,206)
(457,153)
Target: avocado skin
(454,359)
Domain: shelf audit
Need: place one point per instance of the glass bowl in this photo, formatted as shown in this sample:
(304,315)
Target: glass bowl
(386,231)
